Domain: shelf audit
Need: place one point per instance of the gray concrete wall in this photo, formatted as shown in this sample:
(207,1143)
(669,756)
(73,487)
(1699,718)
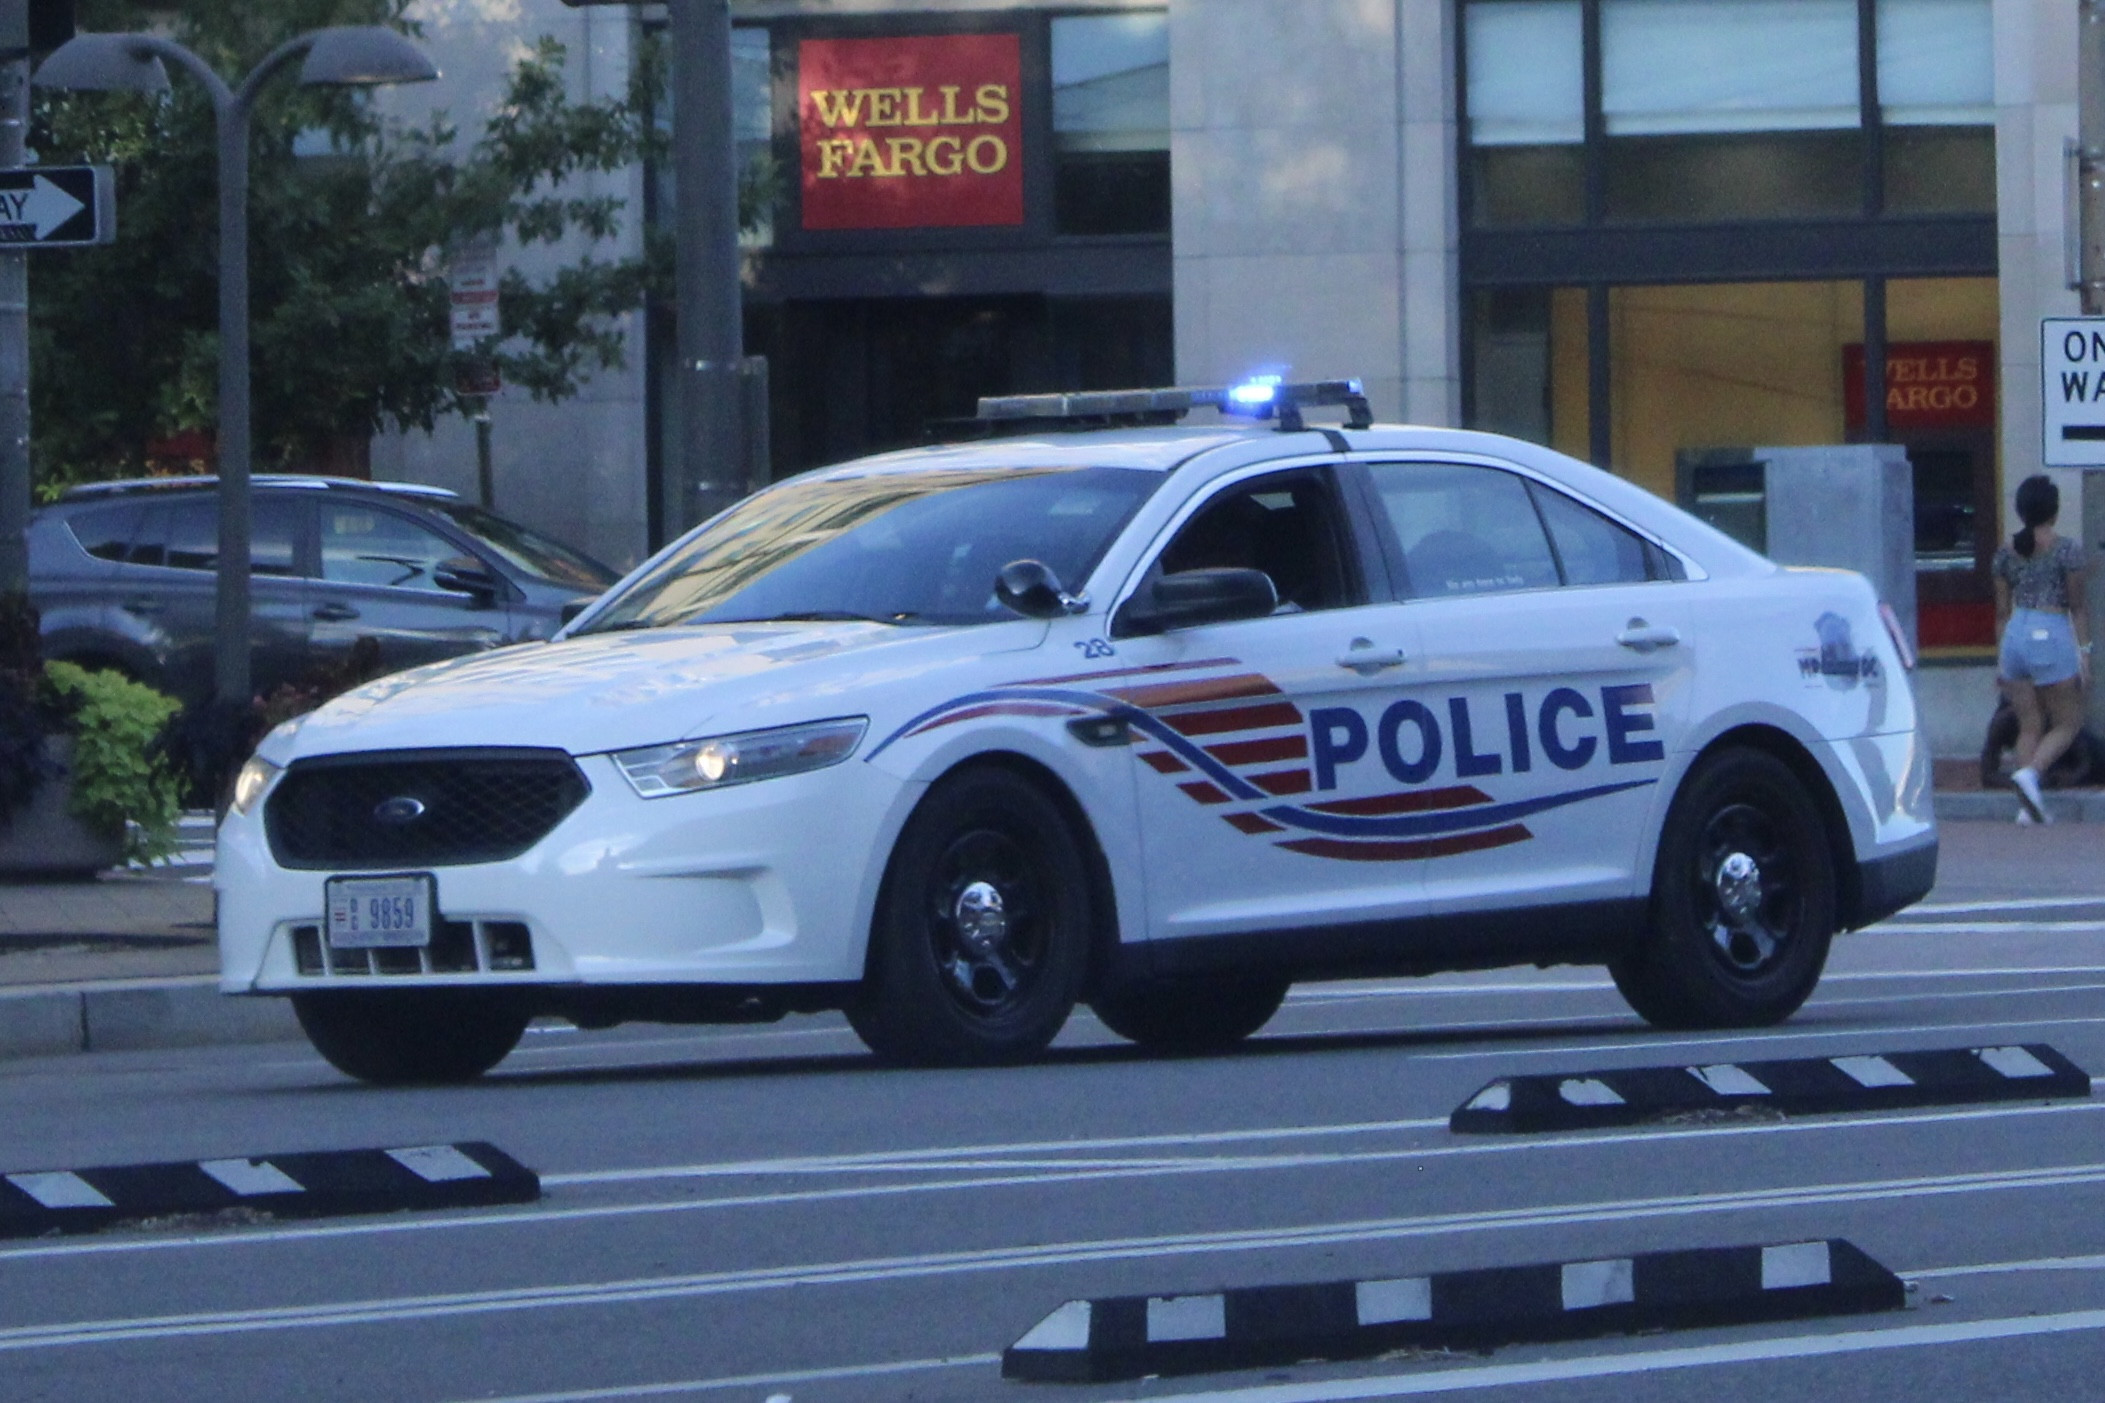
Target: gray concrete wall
(574,469)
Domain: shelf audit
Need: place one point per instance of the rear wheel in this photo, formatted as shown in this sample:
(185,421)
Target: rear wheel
(982,929)
(1191,1015)
(401,1037)
(1743,900)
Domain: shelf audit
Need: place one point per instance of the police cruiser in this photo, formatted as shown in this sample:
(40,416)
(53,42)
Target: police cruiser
(1102,707)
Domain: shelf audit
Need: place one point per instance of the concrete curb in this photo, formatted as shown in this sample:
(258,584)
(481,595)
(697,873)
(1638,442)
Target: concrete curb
(2000,805)
(130,1015)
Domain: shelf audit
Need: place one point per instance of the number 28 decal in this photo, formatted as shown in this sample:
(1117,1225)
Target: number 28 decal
(1096,648)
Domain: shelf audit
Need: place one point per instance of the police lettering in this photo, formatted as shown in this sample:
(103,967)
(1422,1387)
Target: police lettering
(1411,742)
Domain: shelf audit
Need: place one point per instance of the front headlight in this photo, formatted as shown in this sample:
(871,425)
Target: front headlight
(659,770)
(255,777)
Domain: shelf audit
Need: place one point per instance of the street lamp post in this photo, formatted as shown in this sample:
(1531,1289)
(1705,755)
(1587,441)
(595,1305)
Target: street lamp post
(351,55)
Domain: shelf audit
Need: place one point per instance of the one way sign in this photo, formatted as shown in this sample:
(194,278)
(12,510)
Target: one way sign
(57,206)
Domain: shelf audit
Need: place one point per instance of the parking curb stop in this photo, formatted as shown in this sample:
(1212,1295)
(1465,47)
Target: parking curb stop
(1795,1086)
(1128,1337)
(309,1184)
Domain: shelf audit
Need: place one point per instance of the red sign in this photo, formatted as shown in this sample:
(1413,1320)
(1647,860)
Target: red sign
(911,133)
(1929,385)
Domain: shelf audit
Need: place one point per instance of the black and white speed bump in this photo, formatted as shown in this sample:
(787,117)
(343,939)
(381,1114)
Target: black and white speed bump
(308,1185)
(1798,1086)
(1128,1337)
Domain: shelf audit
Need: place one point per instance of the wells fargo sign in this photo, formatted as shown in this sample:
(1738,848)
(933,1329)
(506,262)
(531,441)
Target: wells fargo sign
(1929,385)
(911,133)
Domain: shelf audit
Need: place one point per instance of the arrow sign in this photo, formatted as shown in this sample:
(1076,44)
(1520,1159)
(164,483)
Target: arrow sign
(57,206)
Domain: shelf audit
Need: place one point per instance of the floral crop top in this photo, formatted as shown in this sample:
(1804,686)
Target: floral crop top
(2039,581)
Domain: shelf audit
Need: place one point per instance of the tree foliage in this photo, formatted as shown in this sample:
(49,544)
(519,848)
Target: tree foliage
(349,306)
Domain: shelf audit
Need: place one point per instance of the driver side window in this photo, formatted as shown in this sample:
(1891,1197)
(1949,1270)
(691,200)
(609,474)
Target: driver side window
(1286,524)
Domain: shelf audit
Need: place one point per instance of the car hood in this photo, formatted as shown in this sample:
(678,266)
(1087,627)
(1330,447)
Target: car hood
(613,691)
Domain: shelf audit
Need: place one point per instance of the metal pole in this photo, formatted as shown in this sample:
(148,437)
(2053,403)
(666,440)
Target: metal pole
(14,351)
(712,462)
(2090,138)
(230,670)
(485,472)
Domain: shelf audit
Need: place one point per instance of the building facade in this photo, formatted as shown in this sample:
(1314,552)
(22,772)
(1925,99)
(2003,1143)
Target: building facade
(1653,233)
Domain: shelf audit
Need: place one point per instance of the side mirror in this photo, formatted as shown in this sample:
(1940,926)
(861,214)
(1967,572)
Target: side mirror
(470,577)
(1193,597)
(1034,591)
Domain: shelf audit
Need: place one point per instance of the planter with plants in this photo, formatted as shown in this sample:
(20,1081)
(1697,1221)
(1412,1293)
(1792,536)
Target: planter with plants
(83,784)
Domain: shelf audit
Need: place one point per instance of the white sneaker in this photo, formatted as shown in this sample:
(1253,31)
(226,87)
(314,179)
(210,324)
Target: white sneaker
(2027,782)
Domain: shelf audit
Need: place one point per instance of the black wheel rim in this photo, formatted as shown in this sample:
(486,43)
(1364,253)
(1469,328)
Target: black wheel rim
(1748,890)
(988,923)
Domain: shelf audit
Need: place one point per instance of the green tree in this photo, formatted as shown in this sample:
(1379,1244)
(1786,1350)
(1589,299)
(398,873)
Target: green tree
(347,267)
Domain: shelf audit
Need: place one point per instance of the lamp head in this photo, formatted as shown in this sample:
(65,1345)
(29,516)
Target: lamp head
(103,63)
(364,55)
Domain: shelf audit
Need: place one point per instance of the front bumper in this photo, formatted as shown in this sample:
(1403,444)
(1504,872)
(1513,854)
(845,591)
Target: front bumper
(762,883)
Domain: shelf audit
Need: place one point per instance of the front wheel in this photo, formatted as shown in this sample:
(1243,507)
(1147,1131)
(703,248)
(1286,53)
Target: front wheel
(982,929)
(1191,1015)
(404,1037)
(1743,900)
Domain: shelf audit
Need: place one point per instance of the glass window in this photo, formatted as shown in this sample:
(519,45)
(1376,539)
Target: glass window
(106,532)
(1464,530)
(184,535)
(1110,101)
(1284,525)
(362,545)
(1936,63)
(1527,112)
(753,128)
(1680,66)
(903,547)
(530,551)
(1591,549)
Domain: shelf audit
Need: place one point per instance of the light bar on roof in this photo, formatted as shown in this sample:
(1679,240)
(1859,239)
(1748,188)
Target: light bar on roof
(1262,398)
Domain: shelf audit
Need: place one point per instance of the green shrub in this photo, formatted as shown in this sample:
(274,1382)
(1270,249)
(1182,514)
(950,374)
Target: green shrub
(118,773)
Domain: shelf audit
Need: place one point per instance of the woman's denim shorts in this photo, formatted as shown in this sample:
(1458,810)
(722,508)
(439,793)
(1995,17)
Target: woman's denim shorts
(2038,647)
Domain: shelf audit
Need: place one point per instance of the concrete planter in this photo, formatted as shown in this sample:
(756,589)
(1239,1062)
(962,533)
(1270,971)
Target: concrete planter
(44,839)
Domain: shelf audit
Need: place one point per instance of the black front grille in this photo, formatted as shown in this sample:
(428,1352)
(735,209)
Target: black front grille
(469,806)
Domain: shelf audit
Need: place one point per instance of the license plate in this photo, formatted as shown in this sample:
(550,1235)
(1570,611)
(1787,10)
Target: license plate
(380,913)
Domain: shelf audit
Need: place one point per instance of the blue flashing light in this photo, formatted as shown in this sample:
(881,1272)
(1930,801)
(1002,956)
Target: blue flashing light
(1257,392)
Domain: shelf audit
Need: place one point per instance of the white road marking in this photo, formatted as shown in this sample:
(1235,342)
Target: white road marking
(559,1216)
(2015,903)
(939,1264)
(1987,928)
(1779,1041)
(800,1376)
(1652,1361)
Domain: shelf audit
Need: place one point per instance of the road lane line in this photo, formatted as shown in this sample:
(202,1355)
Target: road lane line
(1742,1036)
(801,1376)
(1651,1361)
(2015,903)
(1986,928)
(632,1291)
(1316,993)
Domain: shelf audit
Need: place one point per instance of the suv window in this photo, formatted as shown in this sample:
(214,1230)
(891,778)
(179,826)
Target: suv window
(1464,530)
(184,535)
(364,545)
(105,532)
(1285,524)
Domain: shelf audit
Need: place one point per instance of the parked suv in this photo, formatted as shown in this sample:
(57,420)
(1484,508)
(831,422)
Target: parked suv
(124,573)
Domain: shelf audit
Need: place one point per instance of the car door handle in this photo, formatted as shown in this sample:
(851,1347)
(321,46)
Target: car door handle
(1645,638)
(1366,659)
(334,613)
(144,606)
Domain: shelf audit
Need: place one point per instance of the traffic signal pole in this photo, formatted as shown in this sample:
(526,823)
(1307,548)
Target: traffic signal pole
(14,347)
(2090,142)
(710,470)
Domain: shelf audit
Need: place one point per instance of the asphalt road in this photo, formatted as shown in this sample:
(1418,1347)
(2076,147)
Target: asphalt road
(763,1214)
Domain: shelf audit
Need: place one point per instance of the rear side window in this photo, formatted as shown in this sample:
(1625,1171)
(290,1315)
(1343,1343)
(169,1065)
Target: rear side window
(184,535)
(105,532)
(1464,530)
(1592,549)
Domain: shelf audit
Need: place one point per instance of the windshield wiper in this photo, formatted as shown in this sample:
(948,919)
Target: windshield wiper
(820,616)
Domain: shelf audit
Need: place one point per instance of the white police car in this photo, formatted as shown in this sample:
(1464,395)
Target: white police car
(1157,718)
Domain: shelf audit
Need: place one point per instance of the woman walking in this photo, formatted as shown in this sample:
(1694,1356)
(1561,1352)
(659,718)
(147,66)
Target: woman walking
(2044,664)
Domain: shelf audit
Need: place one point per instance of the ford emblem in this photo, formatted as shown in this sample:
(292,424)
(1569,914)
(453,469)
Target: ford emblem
(399,810)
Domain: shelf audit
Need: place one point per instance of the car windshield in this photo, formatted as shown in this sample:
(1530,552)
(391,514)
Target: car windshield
(902,548)
(530,551)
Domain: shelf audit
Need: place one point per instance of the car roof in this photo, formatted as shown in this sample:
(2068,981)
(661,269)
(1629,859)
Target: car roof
(103,491)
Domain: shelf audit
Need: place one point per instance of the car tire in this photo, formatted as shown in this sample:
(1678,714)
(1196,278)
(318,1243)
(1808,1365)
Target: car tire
(981,935)
(1191,1015)
(1743,900)
(405,1037)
